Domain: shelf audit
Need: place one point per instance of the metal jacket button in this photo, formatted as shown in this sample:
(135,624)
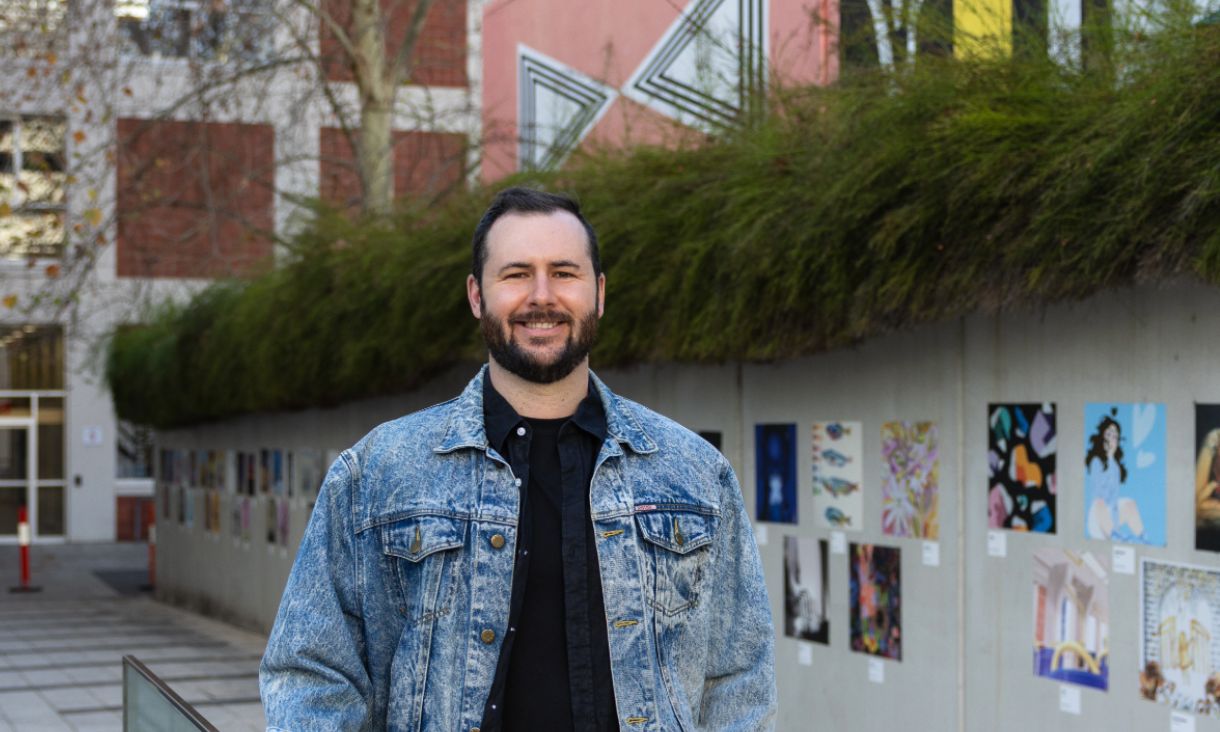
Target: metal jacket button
(497,541)
(488,635)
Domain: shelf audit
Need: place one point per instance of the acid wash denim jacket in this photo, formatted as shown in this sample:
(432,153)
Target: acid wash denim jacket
(398,600)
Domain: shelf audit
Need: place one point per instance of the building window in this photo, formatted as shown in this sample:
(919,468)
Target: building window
(204,30)
(32,28)
(32,182)
(135,450)
(31,357)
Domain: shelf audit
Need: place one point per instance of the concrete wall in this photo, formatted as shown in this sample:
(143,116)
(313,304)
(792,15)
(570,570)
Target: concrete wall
(967,623)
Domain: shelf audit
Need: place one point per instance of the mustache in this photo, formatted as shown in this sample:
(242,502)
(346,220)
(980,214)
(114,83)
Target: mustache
(534,316)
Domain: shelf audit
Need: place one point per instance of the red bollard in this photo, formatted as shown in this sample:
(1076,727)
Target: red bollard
(23,541)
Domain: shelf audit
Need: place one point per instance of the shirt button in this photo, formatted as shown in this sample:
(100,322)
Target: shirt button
(497,541)
(488,635)
(518,482)
(520,432)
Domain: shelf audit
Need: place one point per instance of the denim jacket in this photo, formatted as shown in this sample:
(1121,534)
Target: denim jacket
(398,600)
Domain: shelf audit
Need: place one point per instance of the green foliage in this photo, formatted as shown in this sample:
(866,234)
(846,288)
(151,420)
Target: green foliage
(883,202)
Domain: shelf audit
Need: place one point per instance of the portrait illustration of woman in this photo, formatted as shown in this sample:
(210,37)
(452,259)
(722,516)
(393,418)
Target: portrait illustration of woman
(1109,516)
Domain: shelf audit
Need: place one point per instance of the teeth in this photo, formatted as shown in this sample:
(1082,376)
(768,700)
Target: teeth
(541,326)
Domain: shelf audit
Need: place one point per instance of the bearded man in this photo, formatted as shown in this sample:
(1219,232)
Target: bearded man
(537,554)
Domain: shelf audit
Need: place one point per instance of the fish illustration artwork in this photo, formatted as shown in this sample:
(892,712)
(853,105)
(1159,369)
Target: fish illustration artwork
(836,487)
(837,517)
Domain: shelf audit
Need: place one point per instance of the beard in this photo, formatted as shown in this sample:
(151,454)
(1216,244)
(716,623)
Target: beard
(516,360)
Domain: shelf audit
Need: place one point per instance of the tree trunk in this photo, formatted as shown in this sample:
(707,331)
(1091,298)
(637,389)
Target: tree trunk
(374,145)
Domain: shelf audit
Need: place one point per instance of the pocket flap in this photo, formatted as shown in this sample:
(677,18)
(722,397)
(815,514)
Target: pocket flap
(419,536)
(679,531)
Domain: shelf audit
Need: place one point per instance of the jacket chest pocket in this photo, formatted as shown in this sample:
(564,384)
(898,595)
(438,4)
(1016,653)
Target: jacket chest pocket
(678,543)
(423,554)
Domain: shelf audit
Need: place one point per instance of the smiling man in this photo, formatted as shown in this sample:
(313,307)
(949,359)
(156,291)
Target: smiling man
(538,554)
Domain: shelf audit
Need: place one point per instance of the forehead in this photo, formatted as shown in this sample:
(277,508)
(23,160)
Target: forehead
(528,237)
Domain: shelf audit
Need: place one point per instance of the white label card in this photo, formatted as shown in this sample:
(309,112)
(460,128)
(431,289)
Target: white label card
(876,671)
(838,542)
(997,544)
(91,436)
(760,534)
(1181,722)
(931,553)
(1124,560)
(804,654)
(1069,699)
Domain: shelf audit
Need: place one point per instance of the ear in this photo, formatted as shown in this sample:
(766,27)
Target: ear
(474,296)
(601,294)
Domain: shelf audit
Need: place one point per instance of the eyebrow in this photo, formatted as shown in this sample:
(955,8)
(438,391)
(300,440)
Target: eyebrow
(558,264)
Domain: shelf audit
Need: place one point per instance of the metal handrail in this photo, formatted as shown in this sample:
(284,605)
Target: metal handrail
(133,664)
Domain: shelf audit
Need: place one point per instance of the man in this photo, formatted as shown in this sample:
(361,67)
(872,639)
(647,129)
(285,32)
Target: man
(538,553)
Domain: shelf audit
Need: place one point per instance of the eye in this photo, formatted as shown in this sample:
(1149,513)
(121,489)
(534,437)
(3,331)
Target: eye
(564,273)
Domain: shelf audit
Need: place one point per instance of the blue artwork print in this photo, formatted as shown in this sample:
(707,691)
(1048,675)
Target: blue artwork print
(775,472)
(1125,472)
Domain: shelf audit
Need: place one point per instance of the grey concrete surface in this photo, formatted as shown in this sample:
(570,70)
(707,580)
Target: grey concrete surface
(61,648)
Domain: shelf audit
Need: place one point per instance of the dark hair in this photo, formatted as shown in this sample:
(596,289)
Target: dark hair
(526,201)
(1097,445)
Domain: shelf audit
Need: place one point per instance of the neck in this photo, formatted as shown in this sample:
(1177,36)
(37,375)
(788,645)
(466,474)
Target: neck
(541,401)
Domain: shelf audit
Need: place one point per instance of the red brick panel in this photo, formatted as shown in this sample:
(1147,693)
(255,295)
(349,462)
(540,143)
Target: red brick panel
(439,58)
(425,164)
(195,199)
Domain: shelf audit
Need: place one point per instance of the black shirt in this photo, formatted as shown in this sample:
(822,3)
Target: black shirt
(554,666)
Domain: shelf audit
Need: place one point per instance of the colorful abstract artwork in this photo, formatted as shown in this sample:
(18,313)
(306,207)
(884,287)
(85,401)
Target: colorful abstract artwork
(910,491)
(309,471)
(272,520)
(281,520)
(1180,647)
(806,584)
(876,600)
(1021,478)
(775,472)
(1207,477)
(246,512)
(1072,617)
(838,472)
(1125,472)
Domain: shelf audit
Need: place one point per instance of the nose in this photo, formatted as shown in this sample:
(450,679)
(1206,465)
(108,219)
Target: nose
(541,292)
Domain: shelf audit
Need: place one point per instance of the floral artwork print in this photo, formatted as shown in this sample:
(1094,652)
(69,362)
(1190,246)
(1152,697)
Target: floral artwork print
(910,494)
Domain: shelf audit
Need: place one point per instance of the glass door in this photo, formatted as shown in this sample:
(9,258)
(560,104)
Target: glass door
(16,472)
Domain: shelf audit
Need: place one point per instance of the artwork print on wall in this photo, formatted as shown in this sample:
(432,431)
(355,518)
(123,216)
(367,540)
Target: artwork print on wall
(1072,617)
(838,449)
(806,584)
(775,472)
(1180,648)
(876,600)
(1125,472)
(910,488)
(1022,482)
(1207,477)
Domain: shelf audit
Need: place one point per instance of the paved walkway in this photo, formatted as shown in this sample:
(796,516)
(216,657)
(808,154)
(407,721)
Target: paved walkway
(61,649)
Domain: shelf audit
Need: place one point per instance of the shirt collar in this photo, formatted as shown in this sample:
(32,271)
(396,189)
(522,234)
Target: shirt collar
(499,417)
(465,426)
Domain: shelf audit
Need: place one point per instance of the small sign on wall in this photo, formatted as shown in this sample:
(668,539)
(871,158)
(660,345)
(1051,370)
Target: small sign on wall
(876,671)
(931,554)
(1069,699)
(91,436)
(997,544)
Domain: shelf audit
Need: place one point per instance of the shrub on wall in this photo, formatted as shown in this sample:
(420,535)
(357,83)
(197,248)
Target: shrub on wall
(882,202)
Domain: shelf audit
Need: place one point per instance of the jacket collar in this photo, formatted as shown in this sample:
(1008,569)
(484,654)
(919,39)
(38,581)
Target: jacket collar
(465,425)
